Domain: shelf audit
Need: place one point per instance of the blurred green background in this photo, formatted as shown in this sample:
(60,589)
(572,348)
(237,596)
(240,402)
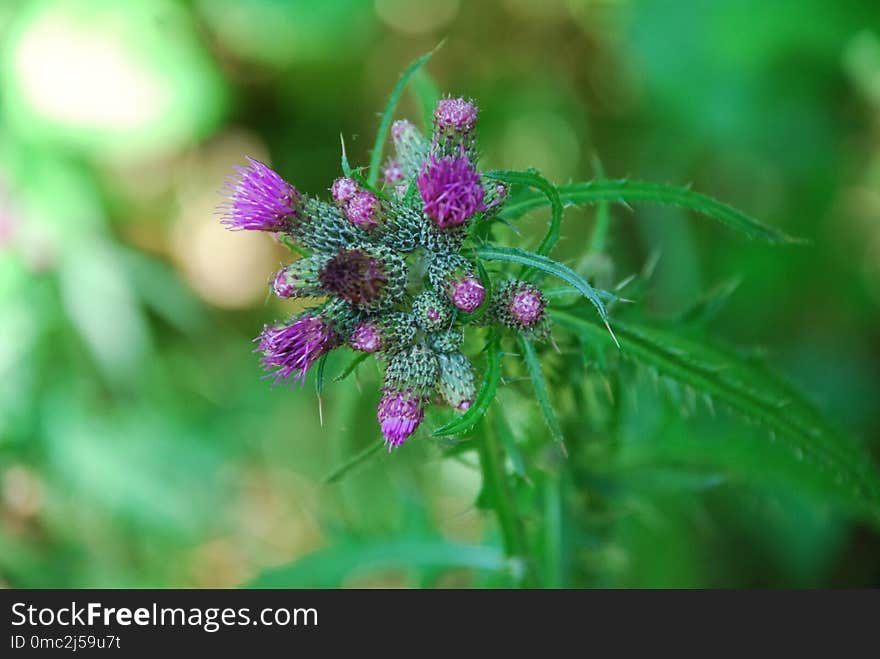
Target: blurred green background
(138,444)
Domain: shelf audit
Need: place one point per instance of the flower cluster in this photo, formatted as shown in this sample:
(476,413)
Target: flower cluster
(389,263)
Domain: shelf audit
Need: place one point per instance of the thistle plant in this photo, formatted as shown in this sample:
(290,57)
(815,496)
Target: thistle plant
(405,261)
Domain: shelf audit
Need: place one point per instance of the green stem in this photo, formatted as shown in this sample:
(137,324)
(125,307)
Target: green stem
(603,215)
(497,487)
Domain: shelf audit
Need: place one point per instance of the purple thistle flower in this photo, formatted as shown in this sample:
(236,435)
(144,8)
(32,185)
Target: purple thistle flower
(343,189)
(527,305)
(392,173)
(451,190)
(468,293)
(260,199)
(455,114)
(464,405)
(367,337)
(363,209)
(399,413)
(291,349)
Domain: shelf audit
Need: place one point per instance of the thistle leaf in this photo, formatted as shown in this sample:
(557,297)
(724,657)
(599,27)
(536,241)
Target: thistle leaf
(356,460)
(535,180)
(627,192)
(533,365)
(845,471)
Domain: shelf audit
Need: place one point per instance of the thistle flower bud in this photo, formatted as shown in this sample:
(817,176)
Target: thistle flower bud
(410,379)
(451,190)
(323,227)
(456,381)
(454,275)
(520,305)
(259,200)
(431,311)
(300,278)
(343,189)
(496,195)
(468,293)
(370,277)
(367,337)
(399,414)
(389,333)
(364,209)
(449,340)
(454,123)
(414,369)
(289,350)
(392,173)
(410,145)
(402,227)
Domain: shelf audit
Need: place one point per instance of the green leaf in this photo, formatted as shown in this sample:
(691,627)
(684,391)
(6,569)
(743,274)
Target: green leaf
(548,265)
(355,461)
(535,180)
(427,94)
(533,365)
(634,192)
(346,168)
(351,367)
(388,114)
(751,390)
(485,396)
(329,567)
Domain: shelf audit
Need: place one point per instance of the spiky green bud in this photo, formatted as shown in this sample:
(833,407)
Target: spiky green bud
(456,381)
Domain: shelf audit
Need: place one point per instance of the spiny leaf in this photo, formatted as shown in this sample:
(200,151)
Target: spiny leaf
(548,265)
(502,430)
(533,365)
(485,396)
(356,460)
(626,192)
(346,168)
(388,114)
(351,366)
(535,180)
(319,386)
(753,391)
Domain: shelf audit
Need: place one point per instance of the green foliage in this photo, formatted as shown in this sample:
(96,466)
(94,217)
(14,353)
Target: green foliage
(388,115)
(634,192)
(828,462)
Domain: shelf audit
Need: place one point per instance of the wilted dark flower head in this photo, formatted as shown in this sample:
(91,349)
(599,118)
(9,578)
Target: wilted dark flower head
(369,277)
(451,190)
